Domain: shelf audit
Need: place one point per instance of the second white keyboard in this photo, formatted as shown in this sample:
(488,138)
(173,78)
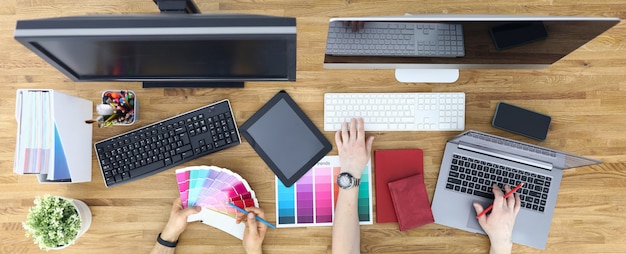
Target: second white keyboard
(399,39)
(396,111)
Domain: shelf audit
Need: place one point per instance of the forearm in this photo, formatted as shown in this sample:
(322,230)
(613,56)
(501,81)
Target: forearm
(259,251)
(167,235)
(160,249)
(346,230)
(501,249)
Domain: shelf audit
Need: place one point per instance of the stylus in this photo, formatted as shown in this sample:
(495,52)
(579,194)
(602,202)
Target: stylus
(505,196)
(257,217)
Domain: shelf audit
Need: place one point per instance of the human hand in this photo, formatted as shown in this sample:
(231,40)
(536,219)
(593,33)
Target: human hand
(354,150)
(177,223)
(255,231)
(499,224)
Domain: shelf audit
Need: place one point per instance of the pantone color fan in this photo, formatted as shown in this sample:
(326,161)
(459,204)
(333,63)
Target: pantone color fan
(212,188)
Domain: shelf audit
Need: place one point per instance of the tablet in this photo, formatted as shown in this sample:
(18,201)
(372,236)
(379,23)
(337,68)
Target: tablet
(285,138)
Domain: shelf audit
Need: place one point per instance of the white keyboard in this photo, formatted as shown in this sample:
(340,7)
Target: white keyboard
(396,111)
(402,39)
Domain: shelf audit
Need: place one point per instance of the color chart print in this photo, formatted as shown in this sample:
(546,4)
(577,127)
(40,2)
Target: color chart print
(213,188)
(311,200)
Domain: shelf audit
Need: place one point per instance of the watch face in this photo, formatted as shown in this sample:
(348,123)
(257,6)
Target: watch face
(344,180)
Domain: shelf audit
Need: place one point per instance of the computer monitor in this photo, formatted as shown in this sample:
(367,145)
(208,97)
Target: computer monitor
(564,35)
(166,50)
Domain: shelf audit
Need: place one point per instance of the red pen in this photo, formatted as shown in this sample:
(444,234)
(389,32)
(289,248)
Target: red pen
(505,196)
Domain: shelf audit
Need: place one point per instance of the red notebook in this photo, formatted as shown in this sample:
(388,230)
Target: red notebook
(411,202)
(389,166)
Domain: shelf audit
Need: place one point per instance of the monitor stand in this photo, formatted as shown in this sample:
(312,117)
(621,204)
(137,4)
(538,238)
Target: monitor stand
(427,75)
(192,84)
(177,6)
(186,7)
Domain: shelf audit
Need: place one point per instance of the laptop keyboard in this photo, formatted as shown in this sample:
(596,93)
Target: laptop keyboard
(476,177)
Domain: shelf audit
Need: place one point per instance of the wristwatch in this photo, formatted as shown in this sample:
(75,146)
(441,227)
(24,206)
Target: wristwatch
(166,243)
(346,181)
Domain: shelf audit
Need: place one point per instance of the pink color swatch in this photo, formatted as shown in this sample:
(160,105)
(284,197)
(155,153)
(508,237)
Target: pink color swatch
(213,188)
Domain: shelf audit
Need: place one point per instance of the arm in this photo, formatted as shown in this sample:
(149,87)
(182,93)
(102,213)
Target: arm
(255,231)
(354,153)
(499,224)
(175,226)
(346,228)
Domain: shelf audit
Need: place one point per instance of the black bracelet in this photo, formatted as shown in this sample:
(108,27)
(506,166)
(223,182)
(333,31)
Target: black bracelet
(166,243)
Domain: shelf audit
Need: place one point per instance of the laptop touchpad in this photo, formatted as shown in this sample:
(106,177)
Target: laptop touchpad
(472,222)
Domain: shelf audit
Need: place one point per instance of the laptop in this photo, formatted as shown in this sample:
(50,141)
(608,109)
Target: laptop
(473,161)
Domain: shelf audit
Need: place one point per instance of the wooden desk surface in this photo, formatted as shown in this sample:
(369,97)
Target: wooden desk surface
(584,93)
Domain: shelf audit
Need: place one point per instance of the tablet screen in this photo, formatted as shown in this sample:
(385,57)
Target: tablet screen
(285,138)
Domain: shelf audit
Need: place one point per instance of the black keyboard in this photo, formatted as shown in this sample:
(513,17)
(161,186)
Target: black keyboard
(476,177)
(162,145)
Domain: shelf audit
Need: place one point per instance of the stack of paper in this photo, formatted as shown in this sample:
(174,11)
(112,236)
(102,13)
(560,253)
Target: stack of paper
(51,124)
(35,133)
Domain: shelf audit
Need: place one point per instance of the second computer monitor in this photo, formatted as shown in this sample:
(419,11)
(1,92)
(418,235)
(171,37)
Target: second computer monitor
(490,42)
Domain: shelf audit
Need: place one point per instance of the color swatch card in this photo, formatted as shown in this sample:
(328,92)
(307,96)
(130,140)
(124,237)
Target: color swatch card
(212,188)
(311,200)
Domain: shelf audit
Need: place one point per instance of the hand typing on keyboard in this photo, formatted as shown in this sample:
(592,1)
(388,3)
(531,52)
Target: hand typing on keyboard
(396,111)
(355,150)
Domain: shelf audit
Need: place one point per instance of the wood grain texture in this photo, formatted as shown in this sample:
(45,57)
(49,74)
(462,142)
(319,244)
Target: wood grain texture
(585,93)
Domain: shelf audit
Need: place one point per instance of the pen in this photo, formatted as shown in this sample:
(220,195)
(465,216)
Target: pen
(505,196)
(257,217)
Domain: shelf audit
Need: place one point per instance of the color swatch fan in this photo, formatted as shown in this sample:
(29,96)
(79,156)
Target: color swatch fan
(212,188)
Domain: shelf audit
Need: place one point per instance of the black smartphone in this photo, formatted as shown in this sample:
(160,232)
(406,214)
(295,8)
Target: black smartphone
(521,121)
(517,33)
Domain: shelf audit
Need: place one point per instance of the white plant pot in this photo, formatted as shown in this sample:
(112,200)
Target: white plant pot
(85,219)
(85,216)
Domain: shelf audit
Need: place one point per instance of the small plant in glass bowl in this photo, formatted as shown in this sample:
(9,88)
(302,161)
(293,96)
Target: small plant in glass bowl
(54,222)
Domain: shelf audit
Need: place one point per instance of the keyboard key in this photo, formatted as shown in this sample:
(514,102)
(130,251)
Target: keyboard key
(146,168)
(483,194)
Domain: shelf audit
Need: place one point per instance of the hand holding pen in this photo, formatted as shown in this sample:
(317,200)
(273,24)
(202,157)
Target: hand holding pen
(499,224)
(508,193)
(255,216)
(255,232)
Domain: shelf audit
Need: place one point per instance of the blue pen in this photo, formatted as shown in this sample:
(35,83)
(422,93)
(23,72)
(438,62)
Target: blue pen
(257,217)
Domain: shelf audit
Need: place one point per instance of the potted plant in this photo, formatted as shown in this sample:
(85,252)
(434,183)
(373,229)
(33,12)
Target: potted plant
(56,222)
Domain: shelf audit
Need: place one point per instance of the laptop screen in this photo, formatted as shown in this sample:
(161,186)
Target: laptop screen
(558,159)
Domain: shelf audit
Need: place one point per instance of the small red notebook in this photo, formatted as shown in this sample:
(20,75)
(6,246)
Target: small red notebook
(389,166)
(410,201)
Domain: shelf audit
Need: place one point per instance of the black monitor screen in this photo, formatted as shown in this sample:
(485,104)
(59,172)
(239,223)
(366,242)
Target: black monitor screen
(171,59)
(190,48)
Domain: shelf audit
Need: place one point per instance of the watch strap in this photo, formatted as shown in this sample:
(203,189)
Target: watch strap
(166,243)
